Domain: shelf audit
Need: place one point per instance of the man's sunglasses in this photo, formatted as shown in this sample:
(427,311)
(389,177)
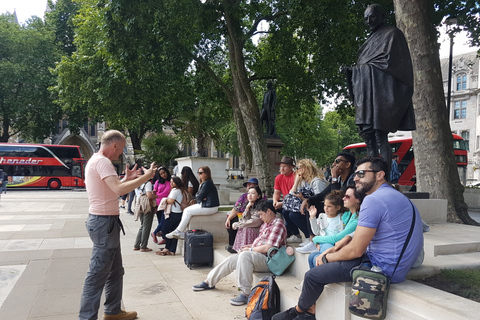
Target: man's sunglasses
(337,161)
(361,173)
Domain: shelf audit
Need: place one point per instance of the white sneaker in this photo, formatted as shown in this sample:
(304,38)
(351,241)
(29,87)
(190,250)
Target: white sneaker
(176,234)
(294,239)
(304,243)
(309,248)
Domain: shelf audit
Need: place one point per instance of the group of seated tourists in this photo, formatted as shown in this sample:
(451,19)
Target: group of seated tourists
(362,223)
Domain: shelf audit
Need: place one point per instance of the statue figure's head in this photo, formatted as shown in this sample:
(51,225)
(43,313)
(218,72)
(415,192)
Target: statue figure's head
(374,16)
(269,84)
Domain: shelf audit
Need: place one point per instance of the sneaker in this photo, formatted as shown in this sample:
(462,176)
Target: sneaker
(305,316)
(294,239)
(230,249)
(202,286)
(154,236)
(176,234)
(122,207)
(305,242)
(289,314)
(130,212)
(124,315)
(239,300)
(309,248)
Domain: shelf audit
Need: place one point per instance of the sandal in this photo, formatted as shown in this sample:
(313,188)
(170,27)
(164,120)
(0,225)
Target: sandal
(165,252)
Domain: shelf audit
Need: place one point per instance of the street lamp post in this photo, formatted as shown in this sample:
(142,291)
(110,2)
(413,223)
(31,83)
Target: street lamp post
(450,21)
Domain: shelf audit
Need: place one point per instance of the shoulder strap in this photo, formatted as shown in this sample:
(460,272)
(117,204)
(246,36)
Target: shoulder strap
(408,238)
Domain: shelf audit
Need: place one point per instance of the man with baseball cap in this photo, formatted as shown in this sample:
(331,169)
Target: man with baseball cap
(283,184)
(238,208)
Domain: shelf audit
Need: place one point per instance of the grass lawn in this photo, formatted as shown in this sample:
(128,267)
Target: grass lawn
(464,283)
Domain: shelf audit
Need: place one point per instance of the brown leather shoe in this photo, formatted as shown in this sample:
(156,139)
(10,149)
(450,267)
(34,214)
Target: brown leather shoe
(146,250)
(124,315)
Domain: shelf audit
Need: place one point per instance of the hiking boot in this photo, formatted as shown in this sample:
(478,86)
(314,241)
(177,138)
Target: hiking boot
(239,300)
(289,314)
(294,239)
(202,286)
(123,315)
(293,314)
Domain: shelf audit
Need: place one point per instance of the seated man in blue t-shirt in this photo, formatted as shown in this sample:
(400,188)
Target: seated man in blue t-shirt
(383,225)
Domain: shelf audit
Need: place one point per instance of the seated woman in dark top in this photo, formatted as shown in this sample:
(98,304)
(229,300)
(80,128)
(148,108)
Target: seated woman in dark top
(207,203)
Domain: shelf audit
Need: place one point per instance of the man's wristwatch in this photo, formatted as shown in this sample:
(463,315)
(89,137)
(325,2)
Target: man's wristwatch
(324,259)
(334,179)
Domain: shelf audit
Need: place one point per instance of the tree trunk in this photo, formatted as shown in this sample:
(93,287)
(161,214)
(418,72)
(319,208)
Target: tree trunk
(242,137)
(202,144)
(435,163)
(246,101)
(136,141)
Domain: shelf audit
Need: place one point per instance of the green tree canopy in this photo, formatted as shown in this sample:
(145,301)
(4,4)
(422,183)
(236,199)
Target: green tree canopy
(26,55)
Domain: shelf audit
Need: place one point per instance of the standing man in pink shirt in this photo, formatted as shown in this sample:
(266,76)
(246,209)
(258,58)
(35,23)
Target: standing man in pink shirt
(104,225)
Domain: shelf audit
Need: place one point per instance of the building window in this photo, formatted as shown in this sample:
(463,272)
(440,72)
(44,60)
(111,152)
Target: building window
(460,110)
(477,144)
(462,82)
(466,137)
(93,132)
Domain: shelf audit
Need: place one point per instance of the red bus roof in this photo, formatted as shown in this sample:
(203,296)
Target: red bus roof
(395,139)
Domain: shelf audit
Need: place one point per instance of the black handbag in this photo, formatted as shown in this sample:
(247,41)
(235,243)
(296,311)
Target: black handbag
(368,298)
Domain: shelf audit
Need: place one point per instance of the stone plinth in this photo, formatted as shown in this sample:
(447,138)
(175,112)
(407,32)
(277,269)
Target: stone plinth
(275,145)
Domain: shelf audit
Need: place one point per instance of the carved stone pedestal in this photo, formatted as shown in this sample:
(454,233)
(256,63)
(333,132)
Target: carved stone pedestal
(275,145)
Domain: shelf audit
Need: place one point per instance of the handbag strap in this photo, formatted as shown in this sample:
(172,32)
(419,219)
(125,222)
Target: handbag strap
(408,238)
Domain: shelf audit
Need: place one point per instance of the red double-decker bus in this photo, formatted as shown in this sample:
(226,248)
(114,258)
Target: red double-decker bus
(41,165)
(403,147)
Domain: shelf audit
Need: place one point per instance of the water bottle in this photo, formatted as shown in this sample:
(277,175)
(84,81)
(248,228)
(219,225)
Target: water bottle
(376,269)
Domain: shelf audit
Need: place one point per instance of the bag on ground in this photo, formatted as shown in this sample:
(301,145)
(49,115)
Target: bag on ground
(264,300)
(369,294)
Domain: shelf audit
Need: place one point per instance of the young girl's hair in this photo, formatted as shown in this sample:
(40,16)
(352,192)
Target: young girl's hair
(336,198)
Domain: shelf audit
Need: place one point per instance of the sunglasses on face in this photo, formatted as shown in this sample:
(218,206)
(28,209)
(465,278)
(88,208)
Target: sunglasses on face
(346,196)
(200,172)
(361,173)
(337,161)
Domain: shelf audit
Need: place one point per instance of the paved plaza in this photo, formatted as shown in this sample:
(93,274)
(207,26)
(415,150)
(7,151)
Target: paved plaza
(44,256)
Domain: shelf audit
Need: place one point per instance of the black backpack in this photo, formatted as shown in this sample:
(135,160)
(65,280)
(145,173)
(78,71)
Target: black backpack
(264,300)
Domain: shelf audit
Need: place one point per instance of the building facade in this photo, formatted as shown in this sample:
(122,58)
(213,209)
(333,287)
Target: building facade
(464,113)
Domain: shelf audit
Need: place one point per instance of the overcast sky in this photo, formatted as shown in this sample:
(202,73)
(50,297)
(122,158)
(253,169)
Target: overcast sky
(27,8)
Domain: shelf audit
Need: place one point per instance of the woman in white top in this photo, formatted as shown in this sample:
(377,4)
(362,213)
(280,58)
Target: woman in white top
(145,219)
(175,198)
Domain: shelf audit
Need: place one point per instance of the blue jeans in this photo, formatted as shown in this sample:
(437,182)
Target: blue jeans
(301,222)
(291,227)
(168,226)
(161,219)
(316,279)
(313,256)
(106,268)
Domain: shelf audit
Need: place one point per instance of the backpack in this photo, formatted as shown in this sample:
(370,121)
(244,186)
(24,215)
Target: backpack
(142,204)
(264,300)
(185,200)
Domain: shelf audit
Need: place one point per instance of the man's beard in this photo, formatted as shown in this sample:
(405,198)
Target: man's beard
(364,187)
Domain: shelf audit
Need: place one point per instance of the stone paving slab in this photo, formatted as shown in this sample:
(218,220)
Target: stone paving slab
(44,241)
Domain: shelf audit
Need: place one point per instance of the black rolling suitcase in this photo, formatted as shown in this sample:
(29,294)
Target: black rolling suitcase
(198,248)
